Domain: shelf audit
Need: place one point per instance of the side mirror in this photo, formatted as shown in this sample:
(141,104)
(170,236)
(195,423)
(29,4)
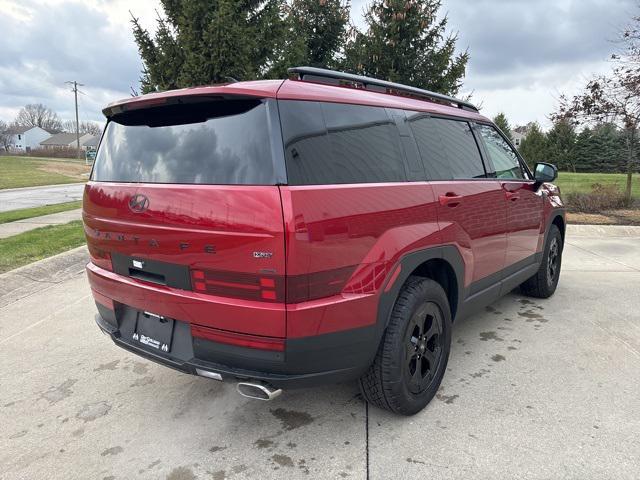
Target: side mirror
(545,172)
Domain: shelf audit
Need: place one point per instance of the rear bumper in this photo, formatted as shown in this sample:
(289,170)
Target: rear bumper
(306,362)
(307,357)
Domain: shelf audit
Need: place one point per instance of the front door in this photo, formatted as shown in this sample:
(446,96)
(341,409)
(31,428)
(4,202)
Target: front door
(525,217)
(472,212)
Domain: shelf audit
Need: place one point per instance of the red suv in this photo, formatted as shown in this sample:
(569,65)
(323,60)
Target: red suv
(329,227)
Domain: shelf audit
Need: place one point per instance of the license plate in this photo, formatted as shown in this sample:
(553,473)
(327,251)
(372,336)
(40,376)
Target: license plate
(154,331)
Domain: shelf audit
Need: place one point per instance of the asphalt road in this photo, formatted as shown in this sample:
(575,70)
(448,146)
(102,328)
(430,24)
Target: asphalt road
(536,389)
(15,198)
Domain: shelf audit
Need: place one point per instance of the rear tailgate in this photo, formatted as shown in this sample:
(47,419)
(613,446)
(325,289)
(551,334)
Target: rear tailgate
(175,244)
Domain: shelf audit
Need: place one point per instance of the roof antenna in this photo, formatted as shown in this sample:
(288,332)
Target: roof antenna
(231,80)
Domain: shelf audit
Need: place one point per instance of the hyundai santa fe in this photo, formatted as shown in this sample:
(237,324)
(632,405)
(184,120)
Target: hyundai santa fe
(328,227)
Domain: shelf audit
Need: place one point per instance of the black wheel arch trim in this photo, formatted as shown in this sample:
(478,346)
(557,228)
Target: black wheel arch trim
(409,263)
(556,213)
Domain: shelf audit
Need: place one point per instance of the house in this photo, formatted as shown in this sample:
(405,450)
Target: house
(520,133)
(91,143)
(518,137)
(25,139)
(63,140)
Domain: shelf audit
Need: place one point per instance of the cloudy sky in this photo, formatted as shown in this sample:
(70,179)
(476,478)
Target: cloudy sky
(524,53)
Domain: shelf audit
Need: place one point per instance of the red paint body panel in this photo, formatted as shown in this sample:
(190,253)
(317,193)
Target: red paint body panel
(477,225)
(526,220)
(257,318)
(260,89)
(371,226)
(182,220)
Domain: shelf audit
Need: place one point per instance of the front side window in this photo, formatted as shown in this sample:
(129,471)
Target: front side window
(504,159)
(448,148)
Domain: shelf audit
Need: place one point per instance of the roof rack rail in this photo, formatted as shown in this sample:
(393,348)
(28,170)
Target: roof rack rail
(323,75)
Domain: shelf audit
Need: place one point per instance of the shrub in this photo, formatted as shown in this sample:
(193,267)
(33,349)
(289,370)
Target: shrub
(601,198)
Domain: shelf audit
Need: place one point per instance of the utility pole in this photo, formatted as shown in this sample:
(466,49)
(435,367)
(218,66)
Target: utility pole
(75,92)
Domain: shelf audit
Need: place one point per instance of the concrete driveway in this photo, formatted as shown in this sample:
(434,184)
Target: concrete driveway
(15,198)
(534,389)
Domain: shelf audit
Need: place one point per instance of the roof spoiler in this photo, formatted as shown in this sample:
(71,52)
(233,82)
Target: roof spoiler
(323,75)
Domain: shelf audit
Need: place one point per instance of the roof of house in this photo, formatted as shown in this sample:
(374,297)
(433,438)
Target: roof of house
(18,130)
(92,141)
(517,134)
(60,139)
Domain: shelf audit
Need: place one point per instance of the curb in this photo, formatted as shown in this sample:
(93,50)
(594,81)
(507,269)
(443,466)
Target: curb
(41,186)
(603,231)
(38,276)
(45,261)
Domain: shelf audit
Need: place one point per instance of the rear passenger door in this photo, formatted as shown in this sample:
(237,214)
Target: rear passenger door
(471,207)
(524,202)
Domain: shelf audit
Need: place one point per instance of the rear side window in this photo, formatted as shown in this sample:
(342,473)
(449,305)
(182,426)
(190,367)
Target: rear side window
(327,143)
(430,146)
(448,148)
(217,142)
(504,159)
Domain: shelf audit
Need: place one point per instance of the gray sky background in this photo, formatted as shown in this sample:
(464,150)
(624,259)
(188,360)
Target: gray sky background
(524,53)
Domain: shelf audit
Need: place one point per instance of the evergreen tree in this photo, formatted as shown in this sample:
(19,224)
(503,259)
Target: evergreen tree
(316,31)
(609,142)
(405,42)
(201,42)
(503,124)
(534,147)
(586,151)
(561,141)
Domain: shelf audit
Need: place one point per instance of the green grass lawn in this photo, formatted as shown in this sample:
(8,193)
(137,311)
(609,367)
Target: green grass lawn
(40,243)
(18,172)
(23,213)
(581,182)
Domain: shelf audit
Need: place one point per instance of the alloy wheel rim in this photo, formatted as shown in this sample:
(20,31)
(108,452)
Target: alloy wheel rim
(424,347)
(552,264)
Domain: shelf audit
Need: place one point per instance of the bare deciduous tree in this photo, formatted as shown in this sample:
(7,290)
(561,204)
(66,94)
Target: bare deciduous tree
(613,98)
(5,136)
(92,128)
(39,115)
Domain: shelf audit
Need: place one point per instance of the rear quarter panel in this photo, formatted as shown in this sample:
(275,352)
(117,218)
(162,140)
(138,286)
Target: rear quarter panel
(369,226)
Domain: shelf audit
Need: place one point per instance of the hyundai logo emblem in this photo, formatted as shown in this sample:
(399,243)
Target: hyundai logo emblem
(138,203)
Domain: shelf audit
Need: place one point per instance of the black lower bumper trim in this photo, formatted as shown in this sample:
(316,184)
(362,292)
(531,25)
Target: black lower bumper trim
(309,361)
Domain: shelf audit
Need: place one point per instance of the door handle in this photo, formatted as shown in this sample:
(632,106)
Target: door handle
(450,200)
(513,196)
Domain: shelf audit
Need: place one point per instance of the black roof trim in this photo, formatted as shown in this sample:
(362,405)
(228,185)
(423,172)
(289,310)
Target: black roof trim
(318,74)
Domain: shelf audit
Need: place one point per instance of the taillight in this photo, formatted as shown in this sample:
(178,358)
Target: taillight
(100,258)
(311,286)
(269,288)
(239,339)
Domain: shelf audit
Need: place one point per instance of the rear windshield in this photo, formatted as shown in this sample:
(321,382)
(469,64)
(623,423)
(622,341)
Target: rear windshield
(216,142)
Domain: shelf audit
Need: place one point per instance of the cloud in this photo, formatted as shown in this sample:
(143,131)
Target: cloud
(45,45)
(523,53)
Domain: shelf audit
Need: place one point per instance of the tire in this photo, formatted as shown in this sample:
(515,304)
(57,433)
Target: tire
(543,284)
(413,354)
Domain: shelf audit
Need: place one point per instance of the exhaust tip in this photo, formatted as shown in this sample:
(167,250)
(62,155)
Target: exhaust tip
(257,391)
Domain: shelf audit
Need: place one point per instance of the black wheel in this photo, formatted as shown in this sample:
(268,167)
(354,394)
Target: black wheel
(543,284)
(414,351)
